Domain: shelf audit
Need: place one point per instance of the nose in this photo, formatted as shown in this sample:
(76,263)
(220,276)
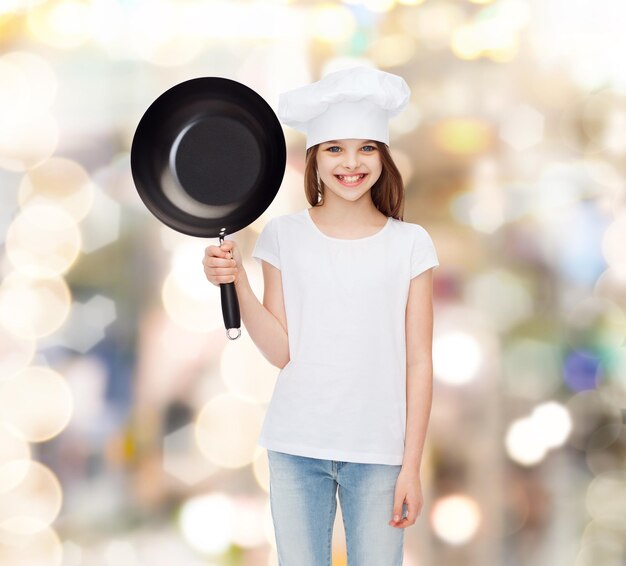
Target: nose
(351,160)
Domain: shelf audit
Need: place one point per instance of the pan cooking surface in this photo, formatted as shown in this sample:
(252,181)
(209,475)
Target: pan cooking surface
(216,160)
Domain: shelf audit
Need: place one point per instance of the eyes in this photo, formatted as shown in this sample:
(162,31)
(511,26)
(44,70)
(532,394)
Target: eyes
(336,146)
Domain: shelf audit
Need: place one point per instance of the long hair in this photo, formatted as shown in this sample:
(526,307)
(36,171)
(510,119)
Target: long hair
(387,192)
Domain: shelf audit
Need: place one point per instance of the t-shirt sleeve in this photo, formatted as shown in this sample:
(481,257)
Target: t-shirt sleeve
(267,246)
(423,255)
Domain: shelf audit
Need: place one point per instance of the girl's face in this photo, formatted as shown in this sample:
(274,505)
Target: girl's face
(338,159)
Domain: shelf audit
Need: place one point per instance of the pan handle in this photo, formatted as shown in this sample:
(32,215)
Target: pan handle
(230,306)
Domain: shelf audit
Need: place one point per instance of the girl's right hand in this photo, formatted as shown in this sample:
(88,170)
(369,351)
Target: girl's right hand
(219,265)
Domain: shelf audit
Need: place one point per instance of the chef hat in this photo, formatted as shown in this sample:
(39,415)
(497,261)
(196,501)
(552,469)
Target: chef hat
(350,103)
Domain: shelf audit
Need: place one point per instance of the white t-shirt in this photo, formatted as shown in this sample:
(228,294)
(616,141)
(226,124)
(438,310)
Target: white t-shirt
(342,395)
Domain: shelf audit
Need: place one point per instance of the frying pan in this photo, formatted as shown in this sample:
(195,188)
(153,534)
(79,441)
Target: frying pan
(207,158)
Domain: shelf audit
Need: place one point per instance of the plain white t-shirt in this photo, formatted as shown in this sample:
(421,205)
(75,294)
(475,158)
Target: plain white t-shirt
(342,395)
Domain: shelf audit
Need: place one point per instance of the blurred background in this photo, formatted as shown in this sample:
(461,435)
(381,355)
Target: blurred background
(128,420)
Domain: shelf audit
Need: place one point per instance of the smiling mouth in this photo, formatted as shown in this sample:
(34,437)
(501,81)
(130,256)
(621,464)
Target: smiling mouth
(351,179)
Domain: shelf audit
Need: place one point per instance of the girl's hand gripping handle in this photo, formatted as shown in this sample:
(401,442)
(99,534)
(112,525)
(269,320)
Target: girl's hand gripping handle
(221,268)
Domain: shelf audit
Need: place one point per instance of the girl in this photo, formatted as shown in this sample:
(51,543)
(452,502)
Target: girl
(347,316)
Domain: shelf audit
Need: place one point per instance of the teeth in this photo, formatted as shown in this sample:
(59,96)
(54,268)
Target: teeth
(351,179)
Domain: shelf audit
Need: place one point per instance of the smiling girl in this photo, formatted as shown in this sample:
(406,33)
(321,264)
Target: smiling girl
(347,316)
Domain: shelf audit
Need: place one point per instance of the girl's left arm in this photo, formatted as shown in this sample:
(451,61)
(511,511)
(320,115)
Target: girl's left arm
(419,368)
(419,387)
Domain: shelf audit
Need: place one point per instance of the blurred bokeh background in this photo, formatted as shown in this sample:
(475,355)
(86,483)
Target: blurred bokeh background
(128,420)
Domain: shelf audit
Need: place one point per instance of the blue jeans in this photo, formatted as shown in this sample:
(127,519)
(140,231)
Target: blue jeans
(303,503)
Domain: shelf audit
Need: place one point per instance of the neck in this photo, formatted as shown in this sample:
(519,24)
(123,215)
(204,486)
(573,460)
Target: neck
(340,211)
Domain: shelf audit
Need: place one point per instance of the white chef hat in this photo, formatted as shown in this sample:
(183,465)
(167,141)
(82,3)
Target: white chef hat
(350,103)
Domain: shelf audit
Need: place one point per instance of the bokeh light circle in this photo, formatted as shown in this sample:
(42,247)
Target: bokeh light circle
(64,24)
(29,143)
(33,308)
(43,241)
(460,369)
(191,302)
(456,519)
(37,403)
(212,513)
(58,181)
(29,86)
(29,133)
(227,429)
(33,502)
(41,547)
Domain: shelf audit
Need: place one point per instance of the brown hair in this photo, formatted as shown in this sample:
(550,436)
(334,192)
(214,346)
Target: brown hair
(387,192)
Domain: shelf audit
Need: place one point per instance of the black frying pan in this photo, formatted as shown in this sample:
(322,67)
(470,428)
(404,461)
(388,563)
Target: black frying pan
(208,158)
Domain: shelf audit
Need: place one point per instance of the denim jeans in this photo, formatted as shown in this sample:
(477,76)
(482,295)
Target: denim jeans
(303,503)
